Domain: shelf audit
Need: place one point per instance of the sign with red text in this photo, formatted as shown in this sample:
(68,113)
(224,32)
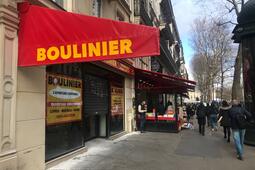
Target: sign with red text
(117,100)
(120,66)
(48,36)
(64,99)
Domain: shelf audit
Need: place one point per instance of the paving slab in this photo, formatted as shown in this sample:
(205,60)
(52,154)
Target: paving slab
(187,150)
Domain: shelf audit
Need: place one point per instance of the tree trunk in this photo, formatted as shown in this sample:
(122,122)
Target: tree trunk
(236,88)
(222,79)
(221,86)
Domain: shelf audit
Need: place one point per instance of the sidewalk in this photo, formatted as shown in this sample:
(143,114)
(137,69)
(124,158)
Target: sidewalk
(186,150)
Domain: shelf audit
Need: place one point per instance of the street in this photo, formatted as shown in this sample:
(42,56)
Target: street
(186,150)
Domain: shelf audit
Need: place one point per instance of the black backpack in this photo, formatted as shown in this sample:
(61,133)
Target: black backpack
(241,120)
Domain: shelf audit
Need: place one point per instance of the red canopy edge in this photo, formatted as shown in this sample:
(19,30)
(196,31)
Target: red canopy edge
(48,36)
(159,82)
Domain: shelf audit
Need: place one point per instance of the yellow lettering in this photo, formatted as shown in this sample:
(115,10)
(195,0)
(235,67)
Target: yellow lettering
(41,56)
(113,47)
(94,50)
(76,54)
(104,48)
(84,50)
(53,53)
(125,46)
(65,54)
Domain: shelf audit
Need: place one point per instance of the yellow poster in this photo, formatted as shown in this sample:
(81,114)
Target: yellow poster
(117,101)
(64,99)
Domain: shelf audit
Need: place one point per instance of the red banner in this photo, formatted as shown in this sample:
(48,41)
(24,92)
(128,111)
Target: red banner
(49,36)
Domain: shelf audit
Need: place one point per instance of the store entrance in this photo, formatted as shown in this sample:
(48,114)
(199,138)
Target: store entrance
(91,127)
(96,106)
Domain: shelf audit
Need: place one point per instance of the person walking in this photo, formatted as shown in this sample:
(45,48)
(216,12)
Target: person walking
(207,108)
(225,119)
(142,109)
(188,111)
(213,116)
(201,118)
(235,113)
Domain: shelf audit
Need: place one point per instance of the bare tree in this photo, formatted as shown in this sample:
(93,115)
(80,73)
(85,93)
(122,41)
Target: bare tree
(212,47)
(233,7)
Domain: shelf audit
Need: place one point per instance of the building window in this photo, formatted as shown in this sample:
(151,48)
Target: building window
(120,16)
(59,2)
(128,2)
(96,8)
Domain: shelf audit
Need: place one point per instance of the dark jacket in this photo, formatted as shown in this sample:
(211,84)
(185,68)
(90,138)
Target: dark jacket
(207,109)
(161,109)
(201,111)
(224,112)
(234,111)
(213,110)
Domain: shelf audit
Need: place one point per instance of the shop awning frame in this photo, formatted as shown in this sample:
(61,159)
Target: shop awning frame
(162,83)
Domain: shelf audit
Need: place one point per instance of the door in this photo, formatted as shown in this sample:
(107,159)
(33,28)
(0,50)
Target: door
(96,106)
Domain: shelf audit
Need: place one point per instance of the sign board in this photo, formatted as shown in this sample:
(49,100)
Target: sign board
(120,66)
(64,99)
(117,101)
(48,36)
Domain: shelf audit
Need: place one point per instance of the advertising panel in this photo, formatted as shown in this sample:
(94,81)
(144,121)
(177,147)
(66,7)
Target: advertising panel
(79,38)
(64,99)
(117,101)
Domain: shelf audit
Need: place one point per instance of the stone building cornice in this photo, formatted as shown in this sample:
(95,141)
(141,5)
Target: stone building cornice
(9,15)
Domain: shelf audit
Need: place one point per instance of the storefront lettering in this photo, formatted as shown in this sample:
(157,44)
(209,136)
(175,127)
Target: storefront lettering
(61,81)
(97,49)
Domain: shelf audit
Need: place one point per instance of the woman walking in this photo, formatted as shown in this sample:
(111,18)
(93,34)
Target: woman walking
(225,119)
(201,118)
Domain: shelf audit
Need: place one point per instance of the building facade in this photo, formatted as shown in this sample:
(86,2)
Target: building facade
(27,139)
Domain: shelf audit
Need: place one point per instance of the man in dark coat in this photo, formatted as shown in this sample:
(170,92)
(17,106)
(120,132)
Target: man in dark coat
(238,132)
(188,111)
(207,108)
(225,119)
(142,109)
(201,118)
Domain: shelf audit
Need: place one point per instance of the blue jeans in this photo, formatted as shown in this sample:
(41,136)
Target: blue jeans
(238,135)
(213,121)
(142,122)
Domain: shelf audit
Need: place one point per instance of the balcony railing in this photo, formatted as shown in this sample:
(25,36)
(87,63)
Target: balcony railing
(142,10)
(167,56)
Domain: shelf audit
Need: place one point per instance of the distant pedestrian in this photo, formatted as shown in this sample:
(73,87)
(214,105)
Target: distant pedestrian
(142,109)
(225,119)
(188,111)
(238,129)
(161,108)
(207,108)
(201,118)
(213,115)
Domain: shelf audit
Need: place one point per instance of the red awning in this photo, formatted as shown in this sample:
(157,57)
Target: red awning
(48,36)
(162,83)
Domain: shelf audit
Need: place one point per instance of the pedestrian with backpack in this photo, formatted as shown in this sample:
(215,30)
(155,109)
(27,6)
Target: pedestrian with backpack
(201,114)
(239,118)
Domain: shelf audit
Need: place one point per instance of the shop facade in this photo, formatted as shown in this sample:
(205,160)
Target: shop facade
(99,110)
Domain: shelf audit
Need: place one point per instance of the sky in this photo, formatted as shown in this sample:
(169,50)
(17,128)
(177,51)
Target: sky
(186,11)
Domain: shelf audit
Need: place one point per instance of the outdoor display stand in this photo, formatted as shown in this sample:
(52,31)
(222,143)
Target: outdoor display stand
(149,84)
(166,123)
